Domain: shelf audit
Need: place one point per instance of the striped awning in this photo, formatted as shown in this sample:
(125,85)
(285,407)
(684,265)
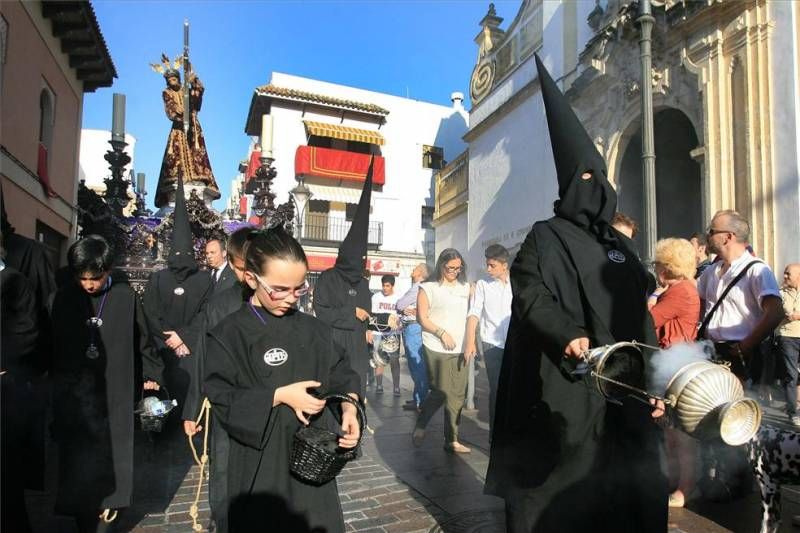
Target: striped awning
(346,133)
(342,194)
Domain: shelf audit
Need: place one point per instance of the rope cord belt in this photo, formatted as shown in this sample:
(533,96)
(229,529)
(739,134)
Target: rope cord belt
(201,461)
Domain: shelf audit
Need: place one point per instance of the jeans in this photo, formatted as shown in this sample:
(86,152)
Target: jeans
(412,340)
(493,356)
(789,348)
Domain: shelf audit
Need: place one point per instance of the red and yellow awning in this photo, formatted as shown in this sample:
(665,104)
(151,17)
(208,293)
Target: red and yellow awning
(337,164)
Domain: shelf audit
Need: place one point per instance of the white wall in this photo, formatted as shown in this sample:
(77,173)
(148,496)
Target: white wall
(453,234)
(512,180)
(92,167)
(785,131)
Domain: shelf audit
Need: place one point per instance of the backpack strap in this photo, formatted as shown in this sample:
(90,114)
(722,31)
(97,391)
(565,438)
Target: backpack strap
(701,333)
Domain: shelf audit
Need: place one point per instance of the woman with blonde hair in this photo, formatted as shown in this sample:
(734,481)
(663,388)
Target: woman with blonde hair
(675,306)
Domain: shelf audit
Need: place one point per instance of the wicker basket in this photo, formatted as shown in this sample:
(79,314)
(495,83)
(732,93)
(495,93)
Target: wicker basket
(316,456)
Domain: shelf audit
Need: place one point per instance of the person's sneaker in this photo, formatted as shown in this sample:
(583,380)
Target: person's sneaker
(379,389)
(396,392)
(795,420)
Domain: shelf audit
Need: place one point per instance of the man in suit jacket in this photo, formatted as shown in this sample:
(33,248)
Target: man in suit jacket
(217,259)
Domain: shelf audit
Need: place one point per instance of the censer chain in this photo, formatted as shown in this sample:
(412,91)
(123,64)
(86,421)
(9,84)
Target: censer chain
(631,388)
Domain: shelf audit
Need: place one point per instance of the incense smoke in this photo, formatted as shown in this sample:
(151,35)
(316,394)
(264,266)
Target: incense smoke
(664,364)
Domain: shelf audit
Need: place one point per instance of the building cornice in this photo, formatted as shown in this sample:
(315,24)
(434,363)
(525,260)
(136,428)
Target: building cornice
(529,89)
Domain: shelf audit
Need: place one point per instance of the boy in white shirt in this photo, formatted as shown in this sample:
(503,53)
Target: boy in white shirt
(383,309)
(491,305)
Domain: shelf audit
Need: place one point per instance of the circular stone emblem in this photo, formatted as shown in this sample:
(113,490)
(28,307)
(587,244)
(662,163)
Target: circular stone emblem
(616,256)
(275,356)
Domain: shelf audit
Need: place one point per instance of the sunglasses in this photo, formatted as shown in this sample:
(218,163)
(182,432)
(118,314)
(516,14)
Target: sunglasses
(276,294)
(711,231)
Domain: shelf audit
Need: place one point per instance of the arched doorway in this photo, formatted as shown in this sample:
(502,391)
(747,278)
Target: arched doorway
(678,181)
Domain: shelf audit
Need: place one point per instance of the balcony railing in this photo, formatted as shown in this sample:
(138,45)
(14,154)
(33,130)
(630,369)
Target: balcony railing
(452,188)
(325,229)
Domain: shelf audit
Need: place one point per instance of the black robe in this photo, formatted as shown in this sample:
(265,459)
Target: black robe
(578,462)
(219,306)
(335,302)
(94,400)
(21,409)
(241,386)
(182,313)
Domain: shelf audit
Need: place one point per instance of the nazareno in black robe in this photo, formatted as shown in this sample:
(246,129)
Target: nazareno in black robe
(562,457)
(241,385)
(335,302)
(167,310)
(94,399)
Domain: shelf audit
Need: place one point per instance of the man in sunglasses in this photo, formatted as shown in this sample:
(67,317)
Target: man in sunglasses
(741,305)
(738,321)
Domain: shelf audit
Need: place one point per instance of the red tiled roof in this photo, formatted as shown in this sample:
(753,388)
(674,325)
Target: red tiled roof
(303,96)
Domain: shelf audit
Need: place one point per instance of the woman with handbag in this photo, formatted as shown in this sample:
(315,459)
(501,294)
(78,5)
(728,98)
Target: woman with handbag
(267,368)
(675,306)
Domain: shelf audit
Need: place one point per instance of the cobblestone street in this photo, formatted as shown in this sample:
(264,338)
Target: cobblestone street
(393,487)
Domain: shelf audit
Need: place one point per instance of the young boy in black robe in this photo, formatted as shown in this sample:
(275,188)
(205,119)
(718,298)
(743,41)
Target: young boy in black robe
(342,298)
(562,457)
(263,364)
(100,339)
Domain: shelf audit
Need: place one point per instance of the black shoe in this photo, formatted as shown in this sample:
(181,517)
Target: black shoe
(396,392)
(379,389)
(410,406)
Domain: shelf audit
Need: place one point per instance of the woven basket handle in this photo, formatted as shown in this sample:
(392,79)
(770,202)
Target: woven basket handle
(362,416)
(161,388)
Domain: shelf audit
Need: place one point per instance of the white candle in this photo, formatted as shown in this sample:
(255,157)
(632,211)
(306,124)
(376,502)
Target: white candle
(266,135)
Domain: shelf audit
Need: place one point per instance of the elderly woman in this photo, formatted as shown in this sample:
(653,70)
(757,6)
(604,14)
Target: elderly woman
(675,306)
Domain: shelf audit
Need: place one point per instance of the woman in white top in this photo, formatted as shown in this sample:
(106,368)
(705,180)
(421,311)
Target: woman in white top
(442,305)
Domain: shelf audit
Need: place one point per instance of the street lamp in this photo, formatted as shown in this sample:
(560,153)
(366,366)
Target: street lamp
(300,195)
(645,21)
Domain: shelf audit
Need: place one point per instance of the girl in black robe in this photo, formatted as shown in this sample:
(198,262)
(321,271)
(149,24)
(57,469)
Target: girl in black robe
(267,365)
(562,457)
(99,334)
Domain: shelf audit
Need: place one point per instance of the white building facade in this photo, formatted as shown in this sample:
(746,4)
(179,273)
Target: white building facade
(726,84)
(323,135)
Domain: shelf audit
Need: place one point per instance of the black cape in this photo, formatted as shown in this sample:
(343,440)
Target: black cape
(94,400)
(335,302)
(22,411)
(241,386)
(182,313)
(580,464)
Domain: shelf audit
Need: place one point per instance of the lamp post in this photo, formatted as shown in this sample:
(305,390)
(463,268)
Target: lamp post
(645,21)
(300,195)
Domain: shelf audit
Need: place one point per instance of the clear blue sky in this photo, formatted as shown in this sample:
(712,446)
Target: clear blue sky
(420,48)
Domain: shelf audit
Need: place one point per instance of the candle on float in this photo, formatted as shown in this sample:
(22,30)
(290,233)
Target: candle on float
(118,118)
(266,135)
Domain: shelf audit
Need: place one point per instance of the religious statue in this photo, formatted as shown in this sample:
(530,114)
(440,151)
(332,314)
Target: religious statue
(186,153)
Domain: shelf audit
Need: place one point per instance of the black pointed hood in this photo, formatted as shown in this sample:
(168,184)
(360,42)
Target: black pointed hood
(353,252)
(181,260)
(588,203)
